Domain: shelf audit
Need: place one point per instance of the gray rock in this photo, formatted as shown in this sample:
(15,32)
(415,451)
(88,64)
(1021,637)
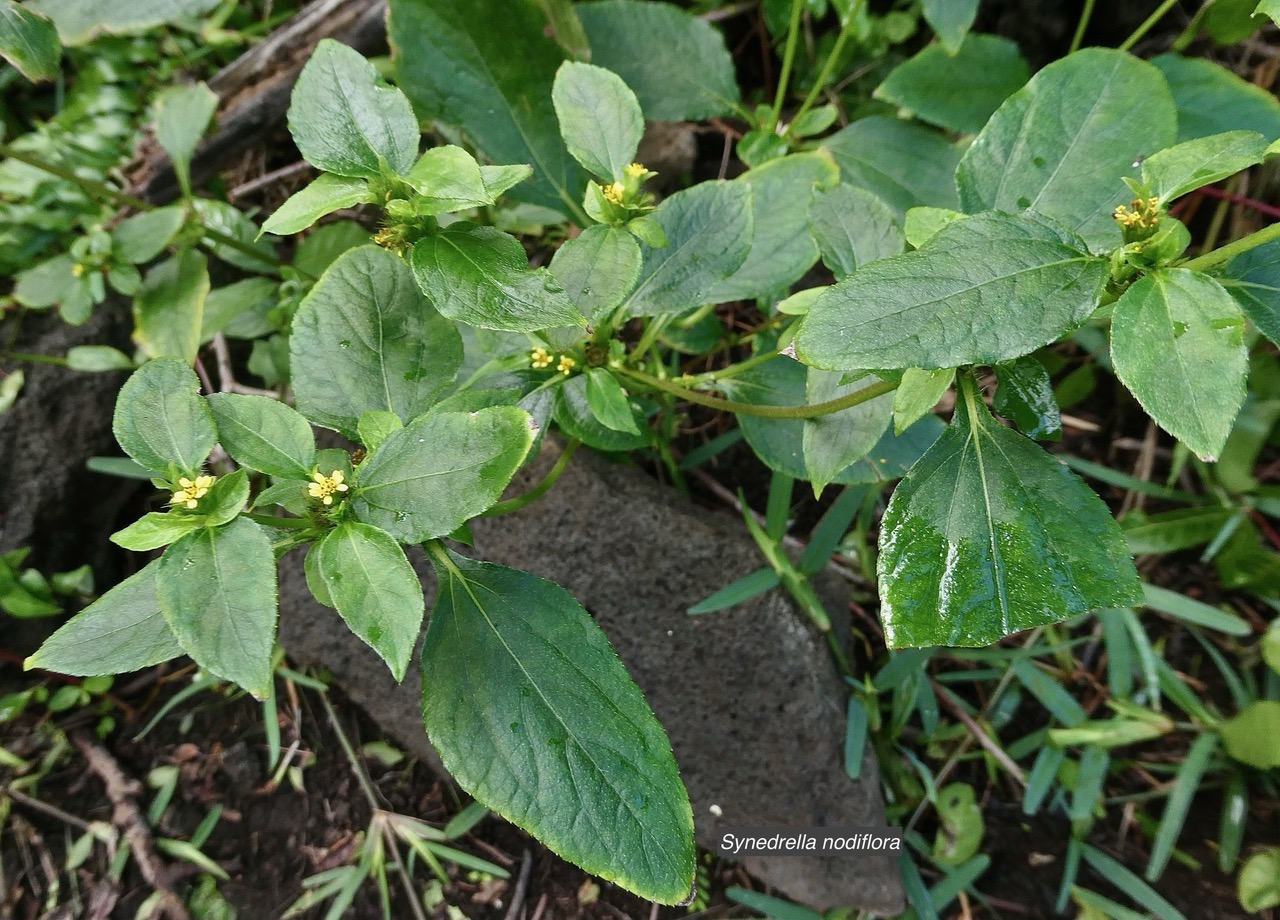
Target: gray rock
(749,696)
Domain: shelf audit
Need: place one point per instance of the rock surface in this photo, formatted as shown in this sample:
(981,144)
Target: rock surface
(749,696)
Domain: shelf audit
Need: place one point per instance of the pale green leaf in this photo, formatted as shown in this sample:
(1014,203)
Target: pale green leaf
(853,227)
(29,42)
(951,19)
(1176,170)
(169,310)
(161,420)
(448,179)
(832,442)
(1250,736)
(917,394)
(182,115)
(1258,886)
(79,21)
(154,530)
(325,195)
(599,116)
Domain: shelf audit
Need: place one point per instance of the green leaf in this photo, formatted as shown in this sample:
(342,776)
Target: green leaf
(676,64)
(1177,343)
(217,588)
(608,402)
(1061,144)
(1189,610)
(575,417)
(418,493)
(739,591)
(499,179)
(78,21)
(29,42)
(160,419)
(917,394)
(598,268)
(1230,21)
(1185,785)
(241,309)
(231,221)
(321,248)
(1211,99)
(983,290)
(782,249)
(325,195)
(1250,736)
(904,165)
(853,227)
(98,358)
(448,179)
(10,387)
(264,434)
(142,237)
(169,309)
(1171,531)
(599,116)
(345,120)
(982,539)
(121,631)
(1269,8)
(951,19)
(487,67)
(375,425)
(556,738)
(154,530)
(482,277)
(961,830)
(367,338)
(957,90)
(1176,170)
(1025,397)
(1258,886)
(1253,279)
(709,231)
(226,499)
(182,115)
(371,583)
(831,442)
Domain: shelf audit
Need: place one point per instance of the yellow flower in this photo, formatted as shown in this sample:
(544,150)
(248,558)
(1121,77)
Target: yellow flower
(1140,214)
(324,486)
(636,171)
(77,270)
(192,490)
(613,193)
(540,357)
(566,364)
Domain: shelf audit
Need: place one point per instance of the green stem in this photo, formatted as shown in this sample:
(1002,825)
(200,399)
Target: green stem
(1148,23)
(101,189)
(866,394)
(541,489)
(365,786)
(1231,250)
(1192,30)
(34,358)
(733,370)
(788,58)
(829,64)
(1083,24)
(651,333)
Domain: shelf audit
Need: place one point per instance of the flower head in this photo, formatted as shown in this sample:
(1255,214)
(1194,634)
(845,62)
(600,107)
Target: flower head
(192,490)
(323,487)
(613,193)
(566,364)
(1139,214)
(636,171)
(540,357)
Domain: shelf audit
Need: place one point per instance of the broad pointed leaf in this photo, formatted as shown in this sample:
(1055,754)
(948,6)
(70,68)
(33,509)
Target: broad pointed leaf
(161,420)
(1185,167)
(325,195)
(264,434)
(598,268)
(599,117)
(29,42)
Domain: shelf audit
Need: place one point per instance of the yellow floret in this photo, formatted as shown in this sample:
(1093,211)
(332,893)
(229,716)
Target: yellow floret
(540,357)
(192,490)
(324,486)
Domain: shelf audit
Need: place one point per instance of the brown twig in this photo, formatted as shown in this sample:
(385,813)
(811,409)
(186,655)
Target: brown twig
(522,887)
(123,792)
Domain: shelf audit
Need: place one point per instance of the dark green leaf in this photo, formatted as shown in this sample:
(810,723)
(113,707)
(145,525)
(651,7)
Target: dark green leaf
(1211,99)
(831,442)
(217,588)
(367,338)
(1061,144)
(1024,396)
(608,402)
(599,116)
(676,64)
(160,419)
(481,276)
(417,492)
(325,195)
(782,249)
(121,631)
(574,415)
(960,90)
(370,582)
(904,165)
(487,67)
(1177,343)
(29,42)
(556,737)
(264,434)
(853,227)
(951,19)
(983,538)
(984,290)
(1253,278)
(169,310)
(345,120)
(917,394)
(709,232)
(598,269)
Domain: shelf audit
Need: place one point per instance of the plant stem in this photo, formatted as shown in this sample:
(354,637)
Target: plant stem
(1085,16)
(33,358)
(866,394)
(788,58)
(365,785)
(1147,24)
(541,489)
(102,190)
(733,370)
(1231,250)
(829,64)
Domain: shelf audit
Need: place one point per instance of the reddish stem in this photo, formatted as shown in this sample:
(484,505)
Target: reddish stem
(1260,206)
